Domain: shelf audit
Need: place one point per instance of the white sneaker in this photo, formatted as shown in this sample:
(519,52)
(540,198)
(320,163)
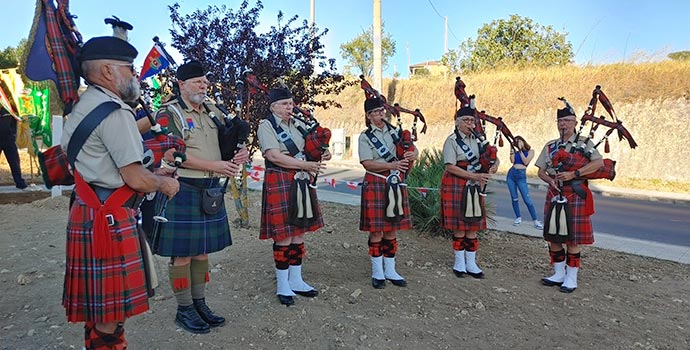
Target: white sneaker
(538,225)
(517,221)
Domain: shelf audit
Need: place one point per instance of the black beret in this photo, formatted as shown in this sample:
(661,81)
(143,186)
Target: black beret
(278,94)
(107,48)
(464,111)
(372,103)
(565,112)
(189,70)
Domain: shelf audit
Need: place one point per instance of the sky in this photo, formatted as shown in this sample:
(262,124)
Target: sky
(601,31)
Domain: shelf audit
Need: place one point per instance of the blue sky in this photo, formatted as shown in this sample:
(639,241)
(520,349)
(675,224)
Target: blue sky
(602,31)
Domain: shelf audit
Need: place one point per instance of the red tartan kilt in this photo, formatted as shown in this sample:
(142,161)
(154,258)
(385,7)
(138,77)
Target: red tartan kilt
(581,225)
(452,190)
(275,203)
(103,290)
(373,203)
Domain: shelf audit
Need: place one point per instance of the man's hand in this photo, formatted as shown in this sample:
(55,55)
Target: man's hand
(169,186)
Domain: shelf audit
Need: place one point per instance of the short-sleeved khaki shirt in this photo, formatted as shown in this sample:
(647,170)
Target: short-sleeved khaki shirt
(198,130)
(114,144)
(452,153)
(544,158)
(268,138)
(367,151)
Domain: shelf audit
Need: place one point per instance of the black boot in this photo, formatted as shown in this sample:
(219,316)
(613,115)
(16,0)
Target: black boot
(188,318)
(207,315)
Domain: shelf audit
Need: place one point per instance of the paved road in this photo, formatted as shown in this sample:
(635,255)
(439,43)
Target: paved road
(630,218)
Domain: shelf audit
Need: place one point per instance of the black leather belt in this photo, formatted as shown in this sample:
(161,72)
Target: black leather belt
(103,193)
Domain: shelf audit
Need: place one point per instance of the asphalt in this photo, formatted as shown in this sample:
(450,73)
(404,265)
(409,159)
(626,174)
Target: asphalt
(602,239)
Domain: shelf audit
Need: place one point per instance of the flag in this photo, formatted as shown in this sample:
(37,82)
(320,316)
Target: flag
(154,63)
(330,182)
(6,102)
(52,49)
(423,191)
(352,185)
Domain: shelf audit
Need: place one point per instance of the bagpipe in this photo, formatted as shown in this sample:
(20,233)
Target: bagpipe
(161,142)
(233,132)
(403,139)
(581,153)
(316,137)
(487,150)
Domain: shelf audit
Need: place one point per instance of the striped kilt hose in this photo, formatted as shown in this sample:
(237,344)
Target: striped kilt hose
(452,191)
(373,205)
(275,205)
(582,225)
(189,231)
(103,290)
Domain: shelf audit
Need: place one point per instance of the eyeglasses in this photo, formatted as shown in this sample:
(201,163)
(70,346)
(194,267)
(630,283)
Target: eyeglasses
(377,111)
(131,66)
(200,82)
(467,120)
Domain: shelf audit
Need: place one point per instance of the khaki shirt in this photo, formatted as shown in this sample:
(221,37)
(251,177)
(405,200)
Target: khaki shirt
(268,138)
(544,159)
(198,130)
(114,144)
(367,151)
(452,153)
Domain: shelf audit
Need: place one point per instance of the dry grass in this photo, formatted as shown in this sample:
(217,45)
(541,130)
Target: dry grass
(653,100)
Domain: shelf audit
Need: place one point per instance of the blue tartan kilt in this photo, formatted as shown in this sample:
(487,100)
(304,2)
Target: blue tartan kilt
(189,231)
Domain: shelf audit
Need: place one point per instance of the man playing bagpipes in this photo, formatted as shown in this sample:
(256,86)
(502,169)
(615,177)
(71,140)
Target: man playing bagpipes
(569,203)
(462,206)
(385,208)
(289,206)
(104,274)
(197,223)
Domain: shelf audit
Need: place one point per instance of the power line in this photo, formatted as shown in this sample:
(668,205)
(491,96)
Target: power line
(443,18)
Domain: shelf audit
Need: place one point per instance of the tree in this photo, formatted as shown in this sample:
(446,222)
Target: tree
(679,56)
(11,56)
(359,52)
(517,41)
(227,43)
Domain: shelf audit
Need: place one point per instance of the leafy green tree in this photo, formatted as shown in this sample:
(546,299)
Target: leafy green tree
(517,41)
(11,56)
(359,52)
(679,56)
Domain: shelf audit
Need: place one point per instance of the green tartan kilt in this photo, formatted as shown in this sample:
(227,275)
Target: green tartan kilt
(189,231)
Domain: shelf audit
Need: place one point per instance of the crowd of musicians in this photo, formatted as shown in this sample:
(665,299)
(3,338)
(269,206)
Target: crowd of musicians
(105,274)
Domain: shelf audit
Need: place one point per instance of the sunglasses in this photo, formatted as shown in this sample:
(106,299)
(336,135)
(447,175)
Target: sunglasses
(131,66)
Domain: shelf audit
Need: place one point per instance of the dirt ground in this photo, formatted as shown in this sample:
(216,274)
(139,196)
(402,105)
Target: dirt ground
(624,301)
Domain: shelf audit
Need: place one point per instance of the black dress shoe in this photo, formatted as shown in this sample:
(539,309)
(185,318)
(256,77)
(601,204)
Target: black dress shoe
(286,300)
(378,284)
(477,275)
(549,283)
(207,315)
(567,290)
(459,274)
(309,294)
(398,283)
(188,318)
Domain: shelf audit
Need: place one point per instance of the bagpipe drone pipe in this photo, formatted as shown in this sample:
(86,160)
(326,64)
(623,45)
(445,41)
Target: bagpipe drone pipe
(233,132)
(580,154)
(403,139)
(487,150)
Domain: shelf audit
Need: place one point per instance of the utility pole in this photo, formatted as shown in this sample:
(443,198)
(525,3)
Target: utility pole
(312,32)
(407,47)
(445,38)
(378,70)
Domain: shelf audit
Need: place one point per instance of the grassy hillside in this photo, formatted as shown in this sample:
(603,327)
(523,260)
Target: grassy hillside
(653,100)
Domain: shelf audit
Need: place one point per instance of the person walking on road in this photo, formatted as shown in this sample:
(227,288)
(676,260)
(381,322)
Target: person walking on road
(516,179)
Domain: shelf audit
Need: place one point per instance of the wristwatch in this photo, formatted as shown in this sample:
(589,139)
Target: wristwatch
(577,173)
